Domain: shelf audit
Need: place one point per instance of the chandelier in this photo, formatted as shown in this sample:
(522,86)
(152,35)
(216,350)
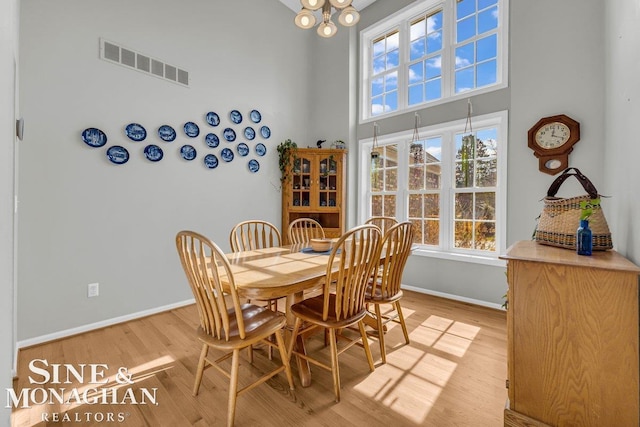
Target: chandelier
(305,19)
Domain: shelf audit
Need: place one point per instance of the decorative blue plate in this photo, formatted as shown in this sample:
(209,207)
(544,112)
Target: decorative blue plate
(135,132)
(249,133)
(166,133)
(117,154)
(243,149)
(254,166)
(261,150)
(212,140)
(255,116)
(212,118)
(235,116)
(188,152)
(191,129)
(94,137)
(153,153)
(226,154)
(211,161)
(265,132)
(229,134)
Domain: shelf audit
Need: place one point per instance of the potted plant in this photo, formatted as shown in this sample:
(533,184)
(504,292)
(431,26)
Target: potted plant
(286,157)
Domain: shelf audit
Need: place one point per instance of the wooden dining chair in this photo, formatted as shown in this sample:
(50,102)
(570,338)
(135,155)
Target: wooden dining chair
(351,263)
(383,222)
(254,234)
(385,287)
(303,230)
(225,323)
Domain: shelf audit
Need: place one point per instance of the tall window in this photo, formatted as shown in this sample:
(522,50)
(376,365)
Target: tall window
(432,52)
(451,184)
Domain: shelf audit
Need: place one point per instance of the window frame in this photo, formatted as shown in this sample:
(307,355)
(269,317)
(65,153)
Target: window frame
(401,21)
(447,131)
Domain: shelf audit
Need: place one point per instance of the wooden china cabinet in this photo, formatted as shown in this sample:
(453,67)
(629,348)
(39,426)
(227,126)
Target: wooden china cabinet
(315,188)
(572,334)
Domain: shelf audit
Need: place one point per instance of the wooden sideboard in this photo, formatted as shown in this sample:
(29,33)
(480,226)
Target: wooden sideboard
(572,326)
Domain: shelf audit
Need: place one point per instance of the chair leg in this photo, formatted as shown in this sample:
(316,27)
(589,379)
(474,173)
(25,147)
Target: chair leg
(365,344)
(200,369)
(284,357)
(250,353)
(401,317)
(383,349)
(233,387)
(335,367)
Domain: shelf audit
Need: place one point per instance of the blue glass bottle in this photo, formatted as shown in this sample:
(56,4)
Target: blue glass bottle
(584,238)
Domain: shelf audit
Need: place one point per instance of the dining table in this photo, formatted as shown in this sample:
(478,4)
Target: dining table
(277,272)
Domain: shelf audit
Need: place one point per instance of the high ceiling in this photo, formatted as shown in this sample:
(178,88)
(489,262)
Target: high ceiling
(295,4)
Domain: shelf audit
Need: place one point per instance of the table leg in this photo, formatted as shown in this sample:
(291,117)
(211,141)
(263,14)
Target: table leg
(303,365)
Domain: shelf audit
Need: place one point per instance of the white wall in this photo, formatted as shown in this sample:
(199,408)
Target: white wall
(8,59)
(83,219)
(622,111)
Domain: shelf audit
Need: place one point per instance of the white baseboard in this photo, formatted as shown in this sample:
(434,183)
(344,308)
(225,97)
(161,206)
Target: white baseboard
(454,297)
(91,326)
(109,322)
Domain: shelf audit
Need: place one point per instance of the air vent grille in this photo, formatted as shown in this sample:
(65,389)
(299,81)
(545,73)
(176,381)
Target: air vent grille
(115,53)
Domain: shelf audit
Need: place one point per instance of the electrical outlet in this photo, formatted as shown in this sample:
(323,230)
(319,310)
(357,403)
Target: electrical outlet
(93,290)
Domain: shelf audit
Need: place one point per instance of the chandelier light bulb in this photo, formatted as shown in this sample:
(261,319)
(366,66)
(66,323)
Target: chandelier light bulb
(327,29)
(349,16)
(339,4)
(312,4)
(305,19)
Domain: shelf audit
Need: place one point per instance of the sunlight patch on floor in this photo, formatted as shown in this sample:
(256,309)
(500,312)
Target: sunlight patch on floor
(397,384)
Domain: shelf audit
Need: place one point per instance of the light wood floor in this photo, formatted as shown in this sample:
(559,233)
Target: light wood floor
(452,374)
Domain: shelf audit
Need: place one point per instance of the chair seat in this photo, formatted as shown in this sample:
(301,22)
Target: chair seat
(259,322)
(376,296)
(310,310)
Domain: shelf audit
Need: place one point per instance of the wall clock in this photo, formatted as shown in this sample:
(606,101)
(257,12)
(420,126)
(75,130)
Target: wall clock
(552,139)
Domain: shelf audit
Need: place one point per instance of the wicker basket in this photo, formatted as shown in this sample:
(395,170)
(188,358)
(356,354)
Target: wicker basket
(560,217)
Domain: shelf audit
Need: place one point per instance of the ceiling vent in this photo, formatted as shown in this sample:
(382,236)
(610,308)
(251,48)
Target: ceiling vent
(114,53)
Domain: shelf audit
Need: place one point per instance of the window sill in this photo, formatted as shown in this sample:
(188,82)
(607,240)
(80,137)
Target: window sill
(454,256)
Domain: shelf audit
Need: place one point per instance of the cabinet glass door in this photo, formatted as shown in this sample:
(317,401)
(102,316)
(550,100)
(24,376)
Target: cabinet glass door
(301,182)
(328,183)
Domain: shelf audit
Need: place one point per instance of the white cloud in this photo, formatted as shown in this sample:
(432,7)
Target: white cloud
(461,62)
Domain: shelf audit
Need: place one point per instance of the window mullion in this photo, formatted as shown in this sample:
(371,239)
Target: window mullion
(446,211)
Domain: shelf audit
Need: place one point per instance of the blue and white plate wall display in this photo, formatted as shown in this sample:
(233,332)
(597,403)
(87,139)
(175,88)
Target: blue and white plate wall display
(243,149)
(229,134)
(117,154)
(255,116)
(167,133)
(212,118)
(153,153)
(235,116)
(211,161)
(249,133)
(135,132)
(191,129)
(94,137)
(265,132)
(226,154)
(188,152)
(212,140)
(254,166)
(261,150)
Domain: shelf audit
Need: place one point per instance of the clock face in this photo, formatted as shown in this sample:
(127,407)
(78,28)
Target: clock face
(552,135)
